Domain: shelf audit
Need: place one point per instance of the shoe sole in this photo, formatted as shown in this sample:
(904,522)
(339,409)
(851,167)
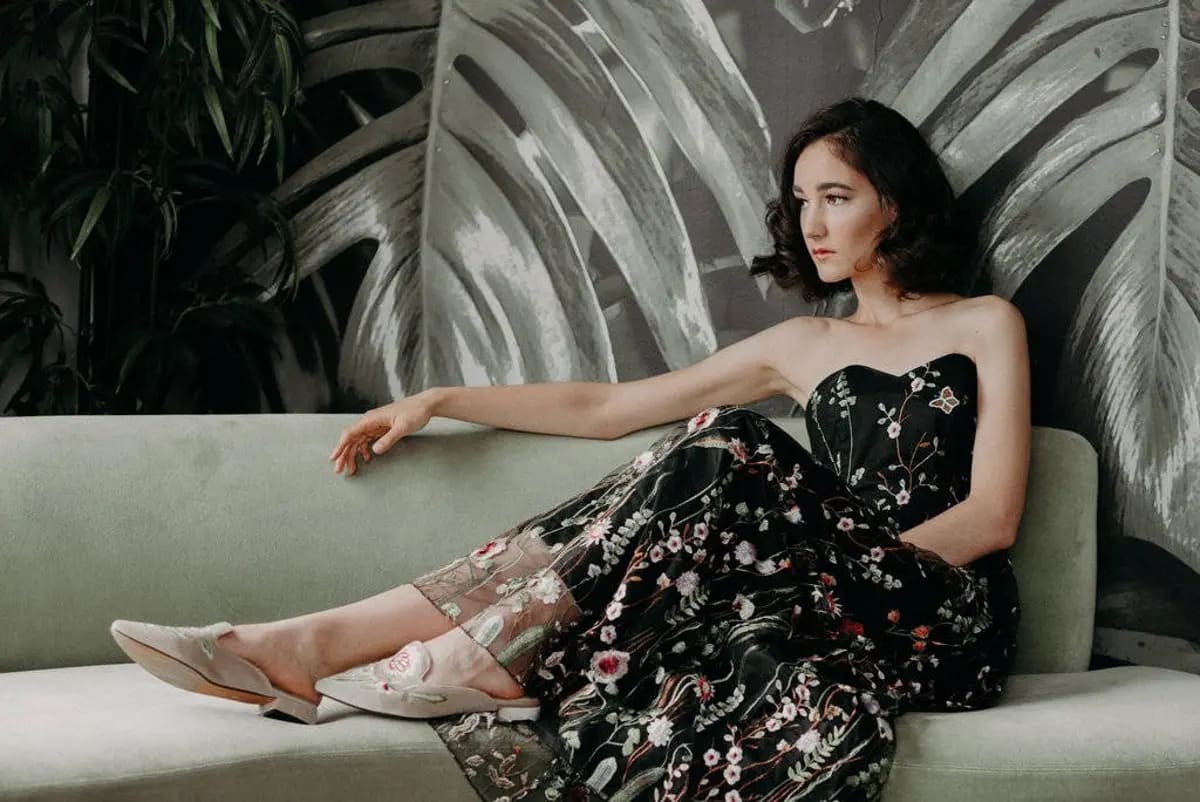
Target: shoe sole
(175,672)
(371,702)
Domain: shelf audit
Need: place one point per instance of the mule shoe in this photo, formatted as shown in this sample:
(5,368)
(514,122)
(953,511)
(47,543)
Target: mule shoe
(191,658)
(395,686)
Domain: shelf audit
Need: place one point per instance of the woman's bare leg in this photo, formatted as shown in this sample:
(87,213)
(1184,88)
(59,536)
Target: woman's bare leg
(296,652)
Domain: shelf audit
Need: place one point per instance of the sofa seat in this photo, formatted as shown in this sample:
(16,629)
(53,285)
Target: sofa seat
(113,732)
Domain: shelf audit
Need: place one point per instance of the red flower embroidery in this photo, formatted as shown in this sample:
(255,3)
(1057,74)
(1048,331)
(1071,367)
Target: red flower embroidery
(854,627)
(894,616)
(827,579)
(921,631)
(919,646)
(491,548)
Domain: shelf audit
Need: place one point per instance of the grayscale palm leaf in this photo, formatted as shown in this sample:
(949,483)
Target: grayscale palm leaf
(479,276)
(1130,369)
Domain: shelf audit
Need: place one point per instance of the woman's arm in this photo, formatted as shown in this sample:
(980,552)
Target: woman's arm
(990,516)
(961,534)
(564,408)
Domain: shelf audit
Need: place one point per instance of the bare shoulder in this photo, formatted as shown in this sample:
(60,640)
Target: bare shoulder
(995,328)
(985,317)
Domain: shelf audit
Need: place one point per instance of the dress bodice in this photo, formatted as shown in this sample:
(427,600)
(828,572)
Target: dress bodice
(901,442)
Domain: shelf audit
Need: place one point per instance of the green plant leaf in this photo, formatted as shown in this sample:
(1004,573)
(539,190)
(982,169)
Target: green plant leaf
(45,131)
(214,55)
(249,127)
(168,12)
(252,68)
(278,134)
(286,76)
(210,11)
(237,18)
(108,69)
(267,129)
(95,209)
(82,186)
(218,117)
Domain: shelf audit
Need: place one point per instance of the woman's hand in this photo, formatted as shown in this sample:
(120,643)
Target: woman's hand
(384,425)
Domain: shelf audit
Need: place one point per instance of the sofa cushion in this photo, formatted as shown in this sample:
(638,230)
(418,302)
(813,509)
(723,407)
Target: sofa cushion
(116,733)
(1124,733)
(187,519)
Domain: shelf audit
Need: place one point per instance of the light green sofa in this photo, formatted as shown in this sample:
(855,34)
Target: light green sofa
(194,519)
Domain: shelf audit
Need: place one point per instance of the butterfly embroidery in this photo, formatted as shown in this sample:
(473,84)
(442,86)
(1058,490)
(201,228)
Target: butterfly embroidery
(945,401)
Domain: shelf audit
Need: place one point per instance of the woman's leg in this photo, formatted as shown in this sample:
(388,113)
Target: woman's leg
(296,652)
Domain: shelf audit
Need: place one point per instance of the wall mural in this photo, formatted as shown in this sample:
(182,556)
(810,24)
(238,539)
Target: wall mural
(545,190)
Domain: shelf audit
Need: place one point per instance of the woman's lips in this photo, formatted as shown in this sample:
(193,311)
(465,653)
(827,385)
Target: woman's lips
(818,254)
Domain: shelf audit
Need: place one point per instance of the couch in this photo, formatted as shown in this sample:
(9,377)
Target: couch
(182,519)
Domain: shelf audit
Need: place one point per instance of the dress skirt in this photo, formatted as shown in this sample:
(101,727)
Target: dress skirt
(718,618)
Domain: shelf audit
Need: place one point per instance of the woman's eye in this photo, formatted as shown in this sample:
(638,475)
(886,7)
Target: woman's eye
(801,201)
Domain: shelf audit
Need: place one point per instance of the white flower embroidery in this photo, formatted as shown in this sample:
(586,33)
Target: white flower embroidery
(893,430)
(712,757)
(595,533)
(613,611)
(743,606)
(687,582)
(744,552)
(658,731)
(808,741)
(549,588)
(608,633)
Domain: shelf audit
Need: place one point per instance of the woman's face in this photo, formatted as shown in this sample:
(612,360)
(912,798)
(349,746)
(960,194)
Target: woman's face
(840,212)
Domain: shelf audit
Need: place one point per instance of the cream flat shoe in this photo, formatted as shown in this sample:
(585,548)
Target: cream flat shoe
(191,658)
(395,686)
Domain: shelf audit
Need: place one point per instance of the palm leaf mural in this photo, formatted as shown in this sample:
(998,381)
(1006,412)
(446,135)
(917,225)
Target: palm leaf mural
(479,206)
(1130,369)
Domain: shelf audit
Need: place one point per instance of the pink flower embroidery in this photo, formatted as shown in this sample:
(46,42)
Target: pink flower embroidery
(490,549)
(702,419)
(739,450)
(610,665)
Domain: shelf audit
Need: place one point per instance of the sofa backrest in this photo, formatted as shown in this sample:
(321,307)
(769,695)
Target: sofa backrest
(189,519)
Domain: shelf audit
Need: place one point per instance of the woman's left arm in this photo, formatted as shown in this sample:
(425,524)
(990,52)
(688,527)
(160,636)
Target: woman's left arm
(988,519)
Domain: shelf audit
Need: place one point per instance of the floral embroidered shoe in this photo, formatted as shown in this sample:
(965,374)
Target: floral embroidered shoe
(192,659)
(396,686)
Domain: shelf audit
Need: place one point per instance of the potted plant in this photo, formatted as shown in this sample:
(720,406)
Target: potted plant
(133,133)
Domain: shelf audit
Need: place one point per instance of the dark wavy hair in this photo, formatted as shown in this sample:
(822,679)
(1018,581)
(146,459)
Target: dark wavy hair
(928,247)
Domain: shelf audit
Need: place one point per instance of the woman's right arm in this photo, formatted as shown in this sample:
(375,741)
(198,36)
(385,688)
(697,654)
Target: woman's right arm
(563,408)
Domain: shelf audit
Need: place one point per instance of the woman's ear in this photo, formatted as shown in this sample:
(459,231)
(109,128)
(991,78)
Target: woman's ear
(890,210)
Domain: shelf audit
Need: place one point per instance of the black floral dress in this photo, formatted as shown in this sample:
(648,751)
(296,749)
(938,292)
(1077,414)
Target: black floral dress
(730,616)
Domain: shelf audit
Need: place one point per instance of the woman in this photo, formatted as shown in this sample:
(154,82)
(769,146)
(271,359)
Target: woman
(728,615)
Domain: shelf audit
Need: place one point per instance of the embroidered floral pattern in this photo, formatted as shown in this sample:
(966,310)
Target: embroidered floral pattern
(731,616)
